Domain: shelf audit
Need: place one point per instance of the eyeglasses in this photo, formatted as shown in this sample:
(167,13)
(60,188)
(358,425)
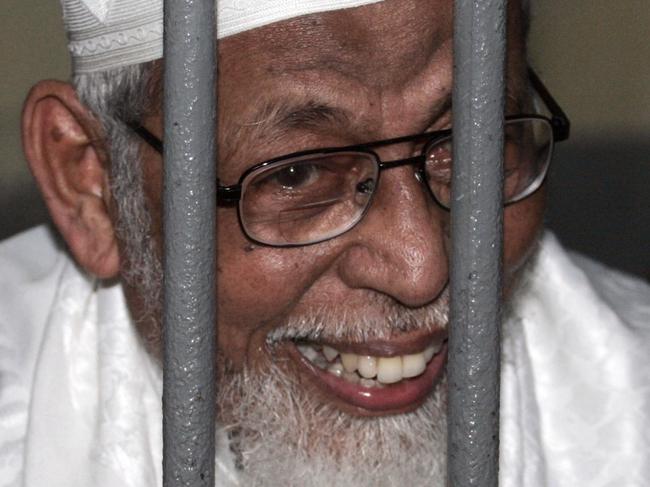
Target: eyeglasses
(311,196)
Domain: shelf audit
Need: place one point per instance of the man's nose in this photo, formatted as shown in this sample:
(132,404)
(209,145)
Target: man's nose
(398,249)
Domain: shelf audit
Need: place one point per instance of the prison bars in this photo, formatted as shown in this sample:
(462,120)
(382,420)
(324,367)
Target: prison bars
(476,235)
(189,226)
(189,209)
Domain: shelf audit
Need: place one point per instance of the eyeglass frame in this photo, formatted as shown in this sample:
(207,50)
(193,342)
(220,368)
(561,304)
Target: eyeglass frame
(231,195)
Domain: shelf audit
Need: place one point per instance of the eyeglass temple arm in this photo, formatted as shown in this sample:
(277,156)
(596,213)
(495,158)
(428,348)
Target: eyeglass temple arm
(226,195)
(559,120)
(154,142)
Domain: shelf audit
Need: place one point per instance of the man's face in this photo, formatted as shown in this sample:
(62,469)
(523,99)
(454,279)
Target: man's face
(376,294)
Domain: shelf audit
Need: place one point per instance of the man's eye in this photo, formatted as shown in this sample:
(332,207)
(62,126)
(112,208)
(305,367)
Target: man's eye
(292,177)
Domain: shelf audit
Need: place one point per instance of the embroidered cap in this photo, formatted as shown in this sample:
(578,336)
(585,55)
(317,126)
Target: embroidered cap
(106,34)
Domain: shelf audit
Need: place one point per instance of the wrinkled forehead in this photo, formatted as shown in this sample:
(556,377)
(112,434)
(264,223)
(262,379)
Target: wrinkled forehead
(373,42)
(379,44)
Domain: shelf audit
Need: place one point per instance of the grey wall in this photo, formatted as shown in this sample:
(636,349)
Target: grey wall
(592,54)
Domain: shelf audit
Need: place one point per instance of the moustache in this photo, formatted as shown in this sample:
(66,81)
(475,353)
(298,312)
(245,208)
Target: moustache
(383,318)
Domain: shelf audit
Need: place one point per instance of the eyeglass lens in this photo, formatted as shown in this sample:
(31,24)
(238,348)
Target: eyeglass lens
(312,198)
(308,199)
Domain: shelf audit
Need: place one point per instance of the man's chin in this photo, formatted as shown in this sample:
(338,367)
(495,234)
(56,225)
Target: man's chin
(283,431)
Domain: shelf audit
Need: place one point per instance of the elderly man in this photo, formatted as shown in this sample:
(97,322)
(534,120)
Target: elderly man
(333,280)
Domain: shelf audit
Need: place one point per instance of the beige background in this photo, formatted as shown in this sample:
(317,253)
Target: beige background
(594,56)
(32,47)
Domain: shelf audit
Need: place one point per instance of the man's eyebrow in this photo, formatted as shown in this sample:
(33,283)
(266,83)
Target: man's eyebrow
(285,115)
(277,117)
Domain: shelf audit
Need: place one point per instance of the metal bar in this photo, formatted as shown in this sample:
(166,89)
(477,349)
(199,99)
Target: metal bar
(189,204)
(477,235)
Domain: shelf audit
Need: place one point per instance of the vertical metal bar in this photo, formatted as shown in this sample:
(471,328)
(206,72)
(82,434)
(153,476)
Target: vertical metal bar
(476,232)
(189,204)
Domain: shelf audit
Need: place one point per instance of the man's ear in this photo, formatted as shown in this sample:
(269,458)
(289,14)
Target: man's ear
(64,148)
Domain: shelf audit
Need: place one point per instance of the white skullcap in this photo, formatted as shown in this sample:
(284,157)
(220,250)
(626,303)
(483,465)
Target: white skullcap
(106,34)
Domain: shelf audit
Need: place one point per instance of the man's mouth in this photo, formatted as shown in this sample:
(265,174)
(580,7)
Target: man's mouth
(379,378)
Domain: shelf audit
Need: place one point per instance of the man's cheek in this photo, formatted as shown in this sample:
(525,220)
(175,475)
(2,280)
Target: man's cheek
(250,306)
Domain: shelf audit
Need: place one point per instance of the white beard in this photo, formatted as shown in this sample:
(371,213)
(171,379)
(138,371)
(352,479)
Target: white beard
(282,436)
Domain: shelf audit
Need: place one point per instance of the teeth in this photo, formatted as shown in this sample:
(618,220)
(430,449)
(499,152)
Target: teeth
(428,353)
(413,365)
(367,366)
(389,370)
(336,368)
(366,370)
(308,351)
(431,350)
(370,383)
(350,361)
(313,355)
(330,353)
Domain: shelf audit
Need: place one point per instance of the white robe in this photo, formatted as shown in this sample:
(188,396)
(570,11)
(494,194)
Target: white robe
(80,398)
